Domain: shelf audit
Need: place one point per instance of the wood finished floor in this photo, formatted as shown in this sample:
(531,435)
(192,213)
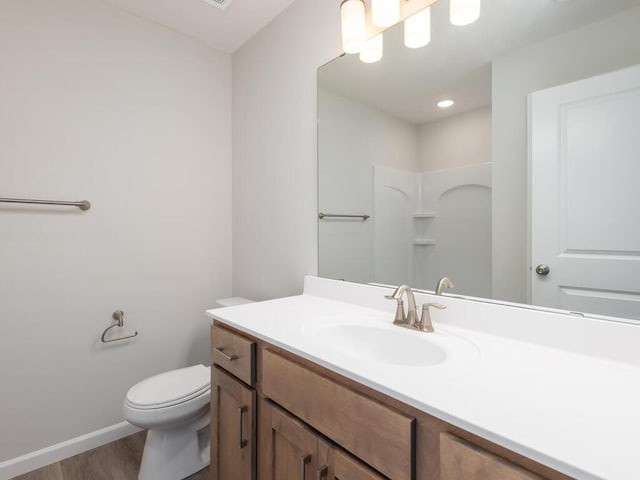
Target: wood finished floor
(115,461)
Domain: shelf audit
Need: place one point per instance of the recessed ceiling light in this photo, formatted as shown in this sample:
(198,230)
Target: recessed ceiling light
(445,103)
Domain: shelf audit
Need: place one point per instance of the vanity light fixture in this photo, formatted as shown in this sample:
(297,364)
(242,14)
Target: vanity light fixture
(354,27)
(417,29)
(372,51)
(445,103)
(385,13)
(464,12)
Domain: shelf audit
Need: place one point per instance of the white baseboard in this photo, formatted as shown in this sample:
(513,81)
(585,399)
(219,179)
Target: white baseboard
(60,451)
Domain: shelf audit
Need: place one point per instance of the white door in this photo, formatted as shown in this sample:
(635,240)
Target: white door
(585,195)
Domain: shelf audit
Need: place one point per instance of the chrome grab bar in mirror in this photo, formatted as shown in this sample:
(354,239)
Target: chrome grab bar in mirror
(82,204)
(338,215)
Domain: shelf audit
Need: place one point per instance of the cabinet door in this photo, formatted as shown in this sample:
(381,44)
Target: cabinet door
(288,450)
(459,459)
(325,462)
(348,468)
(233,428)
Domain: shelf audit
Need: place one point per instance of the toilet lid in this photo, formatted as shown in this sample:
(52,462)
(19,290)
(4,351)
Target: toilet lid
(170,388)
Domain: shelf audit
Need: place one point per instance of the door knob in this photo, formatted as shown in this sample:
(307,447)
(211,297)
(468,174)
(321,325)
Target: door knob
(542,270)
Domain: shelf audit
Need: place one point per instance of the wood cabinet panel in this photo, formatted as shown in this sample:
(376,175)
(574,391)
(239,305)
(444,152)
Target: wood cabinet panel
(462,460)
(292,451)
(235,353)
(326,454)
(347,468)
(288,450)
(380,436)
(233,428)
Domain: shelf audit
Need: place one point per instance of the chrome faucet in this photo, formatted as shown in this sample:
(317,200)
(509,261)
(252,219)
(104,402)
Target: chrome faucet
(411,318)
(443,283)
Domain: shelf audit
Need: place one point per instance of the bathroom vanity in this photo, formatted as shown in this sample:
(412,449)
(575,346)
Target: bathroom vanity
(324,386)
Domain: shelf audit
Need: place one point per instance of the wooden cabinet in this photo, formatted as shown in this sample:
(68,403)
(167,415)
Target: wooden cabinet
(233,406)
(347,468)
(375,433)
(276,416)
(234,353)
(460,459)
(290,450)
(233,428)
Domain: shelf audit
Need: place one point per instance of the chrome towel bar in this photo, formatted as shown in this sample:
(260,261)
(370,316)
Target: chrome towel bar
(82,205)
(339,215)
(118,316)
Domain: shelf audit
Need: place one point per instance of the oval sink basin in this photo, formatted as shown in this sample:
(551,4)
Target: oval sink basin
(396,346)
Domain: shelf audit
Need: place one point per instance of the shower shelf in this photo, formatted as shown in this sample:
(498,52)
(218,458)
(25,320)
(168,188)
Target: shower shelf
(424,242)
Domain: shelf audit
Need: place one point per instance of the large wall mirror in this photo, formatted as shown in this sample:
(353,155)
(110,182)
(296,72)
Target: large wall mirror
(526,190)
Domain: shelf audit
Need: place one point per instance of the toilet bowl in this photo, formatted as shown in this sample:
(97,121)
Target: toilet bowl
(174,408)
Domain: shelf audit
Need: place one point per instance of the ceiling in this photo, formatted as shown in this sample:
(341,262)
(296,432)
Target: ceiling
(457,62)
(224,30)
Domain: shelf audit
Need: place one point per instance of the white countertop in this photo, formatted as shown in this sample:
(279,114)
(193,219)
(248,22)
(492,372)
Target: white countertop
(574,412)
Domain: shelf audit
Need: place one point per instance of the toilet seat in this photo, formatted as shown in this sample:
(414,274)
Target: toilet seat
(170,388)
(169,399)
(177,401)
(168,417)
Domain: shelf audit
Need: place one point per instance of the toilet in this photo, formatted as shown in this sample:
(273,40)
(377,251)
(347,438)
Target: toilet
(174,408)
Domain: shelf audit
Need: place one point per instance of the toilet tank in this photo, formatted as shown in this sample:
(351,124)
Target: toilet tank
(231,301)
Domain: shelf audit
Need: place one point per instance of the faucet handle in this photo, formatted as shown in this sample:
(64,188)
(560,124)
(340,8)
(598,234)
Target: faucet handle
(400,317)
(425,318)
(439,306)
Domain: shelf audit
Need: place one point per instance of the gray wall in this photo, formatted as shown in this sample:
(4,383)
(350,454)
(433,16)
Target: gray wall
(274,149)
(440,146)
(101,105)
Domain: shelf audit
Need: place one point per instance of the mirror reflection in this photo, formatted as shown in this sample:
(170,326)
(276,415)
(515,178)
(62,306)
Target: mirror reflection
(524,189)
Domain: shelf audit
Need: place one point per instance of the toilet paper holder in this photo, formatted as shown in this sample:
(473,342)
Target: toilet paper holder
(118,316)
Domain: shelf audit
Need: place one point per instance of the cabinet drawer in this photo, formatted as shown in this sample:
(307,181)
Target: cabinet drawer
(459,459)
(234,353)
(383,438)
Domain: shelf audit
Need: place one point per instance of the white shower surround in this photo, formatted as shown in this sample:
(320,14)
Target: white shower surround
(431,224)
